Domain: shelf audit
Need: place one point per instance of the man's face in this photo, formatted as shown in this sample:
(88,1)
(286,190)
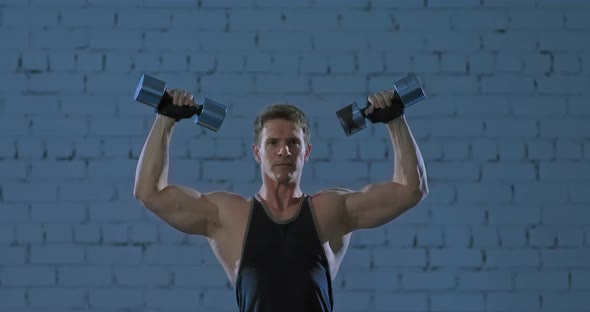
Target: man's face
(282,151)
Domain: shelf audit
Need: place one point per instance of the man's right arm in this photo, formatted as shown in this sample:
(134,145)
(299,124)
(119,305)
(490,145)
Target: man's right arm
(183,208)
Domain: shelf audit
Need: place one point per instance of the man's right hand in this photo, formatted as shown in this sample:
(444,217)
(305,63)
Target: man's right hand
(176,104)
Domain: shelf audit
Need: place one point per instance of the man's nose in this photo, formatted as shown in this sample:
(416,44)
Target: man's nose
(284,150)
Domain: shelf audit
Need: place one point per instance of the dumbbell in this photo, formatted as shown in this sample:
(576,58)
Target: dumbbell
(152,92)
(408,91)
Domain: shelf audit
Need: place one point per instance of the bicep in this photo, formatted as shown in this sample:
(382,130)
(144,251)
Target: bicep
(377,204)
(185,209)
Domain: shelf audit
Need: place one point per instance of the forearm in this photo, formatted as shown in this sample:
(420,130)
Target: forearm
(152,168)
(408,164)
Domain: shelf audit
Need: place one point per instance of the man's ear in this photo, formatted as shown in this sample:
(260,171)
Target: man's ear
(256,153)
(307,151)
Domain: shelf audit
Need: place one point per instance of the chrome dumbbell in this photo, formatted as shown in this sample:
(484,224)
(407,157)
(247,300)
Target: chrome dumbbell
(408,91)
(152,92)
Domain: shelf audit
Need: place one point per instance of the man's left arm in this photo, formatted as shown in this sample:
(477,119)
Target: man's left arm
(379,203)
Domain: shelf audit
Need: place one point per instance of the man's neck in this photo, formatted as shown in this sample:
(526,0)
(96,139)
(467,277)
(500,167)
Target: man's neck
(280,197)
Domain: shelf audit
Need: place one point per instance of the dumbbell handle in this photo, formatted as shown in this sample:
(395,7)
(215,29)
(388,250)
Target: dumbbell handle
(383,114)
(195,108)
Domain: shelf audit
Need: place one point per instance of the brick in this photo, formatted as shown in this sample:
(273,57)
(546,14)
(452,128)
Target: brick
(29,233)
(68,39)
(44,126)
(542,236)
(563,171)
(455,258)
(108,255)
(428,281)
(580,279)
(14,170)
(526,20)
(481,20)
(371,280)
(85,192)
(576,20)
(573,237)
(399,257)
(56,298)
(87,17)
(540,150)
(484,281)
(515,41)
(452,42)
(352,300)
(512,236)
(485,236)
(160,255)
(539,193)
(59,149)
(511,300)
(452,171)
(58,170)
(58,233)
(13,298)
(99,39)
(403,302)
(87,233)
(503,172)
(568,301)
(577,193)
(348,4)
(19,40)
(30,276)
(569,151)
(567,63)
(328,41)
(361,20)
(84,276)
(481,63)
(29,17)
(484,193)
(469,302)
(563,128)
(537,63)
(558,41)
(513,258)
(453,63)
(562,84)
(19,191)
(541,106)
(115,233)
(509,64)
(423,20)
(57,254)
(457,236)
(14,255)
(566,215)
(504,84)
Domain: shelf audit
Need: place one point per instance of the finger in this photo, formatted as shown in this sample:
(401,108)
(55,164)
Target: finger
(372,99)
(188,100)
(383,99)
(182,98)
(391,94)
(176,96)
(369,110)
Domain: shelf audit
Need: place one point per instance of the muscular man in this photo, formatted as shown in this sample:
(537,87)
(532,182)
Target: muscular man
(281,248)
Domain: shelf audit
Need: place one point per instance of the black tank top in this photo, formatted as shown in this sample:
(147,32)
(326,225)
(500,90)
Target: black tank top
(283,266)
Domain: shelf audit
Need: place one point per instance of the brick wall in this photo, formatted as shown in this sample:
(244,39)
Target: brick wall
(504,134)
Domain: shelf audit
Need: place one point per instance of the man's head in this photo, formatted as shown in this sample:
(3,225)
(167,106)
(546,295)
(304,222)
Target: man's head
(281,142)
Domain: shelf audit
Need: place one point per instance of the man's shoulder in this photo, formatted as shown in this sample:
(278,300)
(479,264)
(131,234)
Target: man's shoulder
(227,200)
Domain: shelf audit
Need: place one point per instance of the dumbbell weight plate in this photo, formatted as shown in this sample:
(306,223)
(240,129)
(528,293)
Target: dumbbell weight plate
(212,114)
(149,90)
(351,119)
